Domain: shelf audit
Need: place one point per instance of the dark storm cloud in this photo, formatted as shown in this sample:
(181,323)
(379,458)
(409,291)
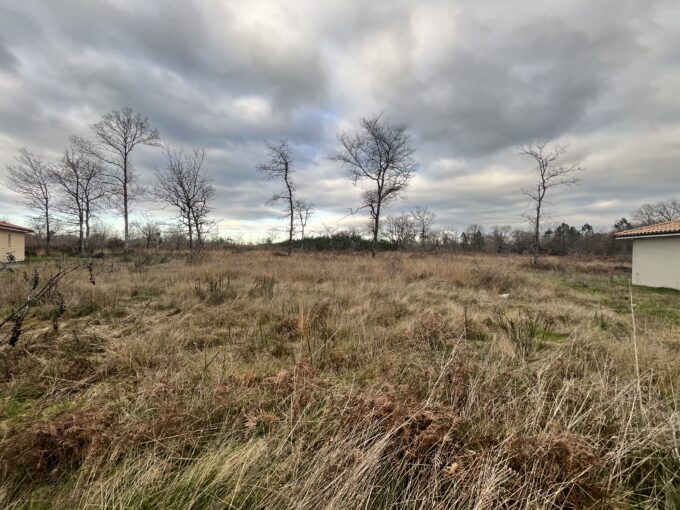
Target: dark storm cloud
(472,80)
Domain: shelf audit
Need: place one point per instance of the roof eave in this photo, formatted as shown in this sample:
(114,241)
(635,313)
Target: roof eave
(19,230)
(646,236)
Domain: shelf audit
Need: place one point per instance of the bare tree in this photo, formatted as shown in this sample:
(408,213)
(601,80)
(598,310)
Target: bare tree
(383,155)
(665,210)
(175,233)
(550,174)
(500,235)
(448,237)
(645,215)
(100,233)
(304,211)
(80,178)
(184,185)
(280,166)
(149,229)
(474,236)
(423,216)
(37,224)
(30,178)
(400,230)
(668,210)
(116,136)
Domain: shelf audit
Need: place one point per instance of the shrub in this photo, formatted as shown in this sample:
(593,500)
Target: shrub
(263,287)
(494,278)
(523,330)
(214,290)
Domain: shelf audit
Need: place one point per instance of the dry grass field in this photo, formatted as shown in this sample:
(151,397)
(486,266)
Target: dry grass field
(247,380)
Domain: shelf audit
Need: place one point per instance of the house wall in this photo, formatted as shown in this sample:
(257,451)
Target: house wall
(656,262)
(18,244)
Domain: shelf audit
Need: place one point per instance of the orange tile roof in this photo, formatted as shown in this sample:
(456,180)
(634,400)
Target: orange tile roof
(666,228)
(9,226)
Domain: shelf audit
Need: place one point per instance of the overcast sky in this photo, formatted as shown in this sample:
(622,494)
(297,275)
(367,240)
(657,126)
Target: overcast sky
(472,80)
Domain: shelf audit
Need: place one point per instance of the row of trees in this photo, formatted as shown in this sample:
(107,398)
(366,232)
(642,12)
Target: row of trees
(150,232)
(91,172)
(98,172)
(665,210)
(403,232)
(380,156)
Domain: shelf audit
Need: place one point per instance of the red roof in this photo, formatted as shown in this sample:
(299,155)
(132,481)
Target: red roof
(666,228)
(9,226)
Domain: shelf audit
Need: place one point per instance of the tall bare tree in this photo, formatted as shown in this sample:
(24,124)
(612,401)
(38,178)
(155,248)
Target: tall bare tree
(184,185)
(304,211)
(550,174)
(116,135)
(381,154)
(80,179)
(280,166)
(423,217)
(30,178)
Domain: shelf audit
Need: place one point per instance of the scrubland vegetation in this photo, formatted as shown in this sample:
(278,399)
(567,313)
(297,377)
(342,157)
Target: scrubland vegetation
(246,380)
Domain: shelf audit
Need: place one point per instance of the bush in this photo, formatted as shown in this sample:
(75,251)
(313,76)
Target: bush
(214,289)
(523,331)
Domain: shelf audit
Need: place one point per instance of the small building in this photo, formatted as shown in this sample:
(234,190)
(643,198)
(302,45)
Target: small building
(656,254)
(13,240)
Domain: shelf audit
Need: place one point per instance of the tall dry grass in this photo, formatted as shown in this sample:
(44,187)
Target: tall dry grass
(335,381)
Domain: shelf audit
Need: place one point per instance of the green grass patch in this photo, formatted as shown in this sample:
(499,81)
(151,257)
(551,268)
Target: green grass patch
(614,293)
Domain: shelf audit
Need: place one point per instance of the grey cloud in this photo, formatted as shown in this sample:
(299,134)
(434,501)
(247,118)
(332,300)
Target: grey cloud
(8,62)
(535,81)
(178,37)
(472,79)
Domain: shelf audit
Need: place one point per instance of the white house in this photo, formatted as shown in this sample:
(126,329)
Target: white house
(656,254)
(13,240)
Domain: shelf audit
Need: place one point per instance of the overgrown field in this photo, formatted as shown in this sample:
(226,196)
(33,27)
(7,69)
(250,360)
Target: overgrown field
(247,380)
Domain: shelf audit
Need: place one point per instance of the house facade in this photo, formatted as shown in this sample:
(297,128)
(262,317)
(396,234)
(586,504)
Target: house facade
(13,240)
(656,254)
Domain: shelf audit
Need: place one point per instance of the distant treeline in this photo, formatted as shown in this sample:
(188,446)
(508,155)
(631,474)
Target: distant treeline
(565,239)
(96,174)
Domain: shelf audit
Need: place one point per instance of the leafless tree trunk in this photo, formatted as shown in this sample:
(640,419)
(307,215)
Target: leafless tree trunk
(550,174)
(183,185)
(116,136)
(81,181)
(30,178)
(280,166)
(383,155)
(304,210)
